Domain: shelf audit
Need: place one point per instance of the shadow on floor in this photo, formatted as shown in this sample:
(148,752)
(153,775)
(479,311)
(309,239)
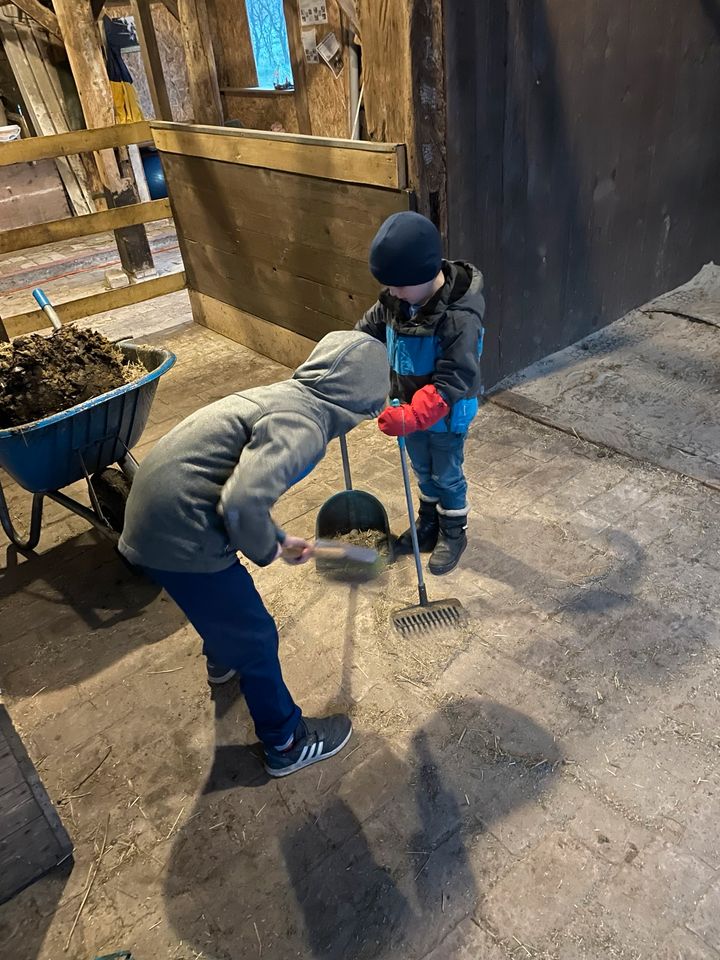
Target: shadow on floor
(367,855)
(24,920)
(71,612)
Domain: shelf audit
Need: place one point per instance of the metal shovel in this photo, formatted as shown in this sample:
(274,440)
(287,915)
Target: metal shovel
(428,614)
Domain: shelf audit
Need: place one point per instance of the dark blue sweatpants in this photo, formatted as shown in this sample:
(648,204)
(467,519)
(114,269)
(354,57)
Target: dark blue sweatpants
(237,631)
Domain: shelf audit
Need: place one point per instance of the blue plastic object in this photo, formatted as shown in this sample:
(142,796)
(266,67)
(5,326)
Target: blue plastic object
(154,174)
(41,297)
(56,451)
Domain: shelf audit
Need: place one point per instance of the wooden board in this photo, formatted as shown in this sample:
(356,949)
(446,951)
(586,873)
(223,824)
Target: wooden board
(202,71)
(582,151)
(279,194)
(232,44)
(76,141)
(32,838)
(645,386)
(22,323)
(268,291)
(36,11)
(42,105)
(327,95)
(260,112)
(31,193)
(149,48)
(25,237)
(404,89)
(67,115)
(289,249)
(298,64)
(258,335)
(380,165)
(475,75)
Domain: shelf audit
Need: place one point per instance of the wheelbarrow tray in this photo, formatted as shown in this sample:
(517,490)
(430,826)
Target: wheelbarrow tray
(59,450)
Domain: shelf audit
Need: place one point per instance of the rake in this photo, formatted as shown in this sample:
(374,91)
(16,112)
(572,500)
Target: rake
(428,614)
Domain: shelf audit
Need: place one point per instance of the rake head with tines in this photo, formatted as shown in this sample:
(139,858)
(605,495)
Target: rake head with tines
(427,615)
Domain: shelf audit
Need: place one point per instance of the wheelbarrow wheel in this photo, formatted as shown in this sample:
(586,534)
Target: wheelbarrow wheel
(112,488)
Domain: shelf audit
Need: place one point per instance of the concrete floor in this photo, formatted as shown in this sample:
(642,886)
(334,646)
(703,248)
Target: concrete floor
(76,268)
(542,783)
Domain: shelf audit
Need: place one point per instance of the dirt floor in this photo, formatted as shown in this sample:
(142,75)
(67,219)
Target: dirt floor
(541,783)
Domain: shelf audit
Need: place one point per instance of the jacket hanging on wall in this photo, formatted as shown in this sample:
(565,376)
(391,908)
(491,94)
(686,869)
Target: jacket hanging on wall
(119,35)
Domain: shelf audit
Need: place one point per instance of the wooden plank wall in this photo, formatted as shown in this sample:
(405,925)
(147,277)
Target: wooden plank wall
(32,838)
(607,193)
(281,245)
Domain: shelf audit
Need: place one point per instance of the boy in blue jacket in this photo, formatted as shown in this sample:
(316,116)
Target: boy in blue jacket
(430,318)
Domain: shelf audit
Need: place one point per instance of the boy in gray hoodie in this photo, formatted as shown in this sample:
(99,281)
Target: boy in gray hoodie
(205,493)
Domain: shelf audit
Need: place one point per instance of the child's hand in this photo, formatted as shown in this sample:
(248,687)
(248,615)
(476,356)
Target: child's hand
(427,407)
(295,550)
(398,421)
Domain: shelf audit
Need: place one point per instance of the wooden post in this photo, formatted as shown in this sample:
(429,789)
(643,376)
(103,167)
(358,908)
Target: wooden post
(202,71)
(404,95)
(87,61)
(297,61)
(142,13)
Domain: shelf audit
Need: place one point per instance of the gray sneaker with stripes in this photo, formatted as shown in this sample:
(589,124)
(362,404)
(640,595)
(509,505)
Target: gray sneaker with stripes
(314,740)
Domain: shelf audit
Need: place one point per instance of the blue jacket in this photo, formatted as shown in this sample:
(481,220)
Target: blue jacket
(440,344)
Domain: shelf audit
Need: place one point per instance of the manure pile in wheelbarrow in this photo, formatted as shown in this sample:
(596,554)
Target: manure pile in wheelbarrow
(40,376)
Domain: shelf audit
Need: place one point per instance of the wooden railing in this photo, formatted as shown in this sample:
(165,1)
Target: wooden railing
(22,238)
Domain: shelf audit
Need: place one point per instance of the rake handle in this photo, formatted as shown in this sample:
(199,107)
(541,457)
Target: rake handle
(345,461)
(422,591)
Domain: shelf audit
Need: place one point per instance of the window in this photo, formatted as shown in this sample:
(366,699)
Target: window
(270,43)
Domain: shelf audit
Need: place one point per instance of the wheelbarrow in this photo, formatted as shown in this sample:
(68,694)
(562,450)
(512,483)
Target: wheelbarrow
(347,511)
(83,442)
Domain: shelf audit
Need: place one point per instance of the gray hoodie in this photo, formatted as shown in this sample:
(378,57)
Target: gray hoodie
(207,488)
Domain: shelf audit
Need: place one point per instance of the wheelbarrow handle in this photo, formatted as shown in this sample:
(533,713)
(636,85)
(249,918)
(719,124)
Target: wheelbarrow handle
(43,302)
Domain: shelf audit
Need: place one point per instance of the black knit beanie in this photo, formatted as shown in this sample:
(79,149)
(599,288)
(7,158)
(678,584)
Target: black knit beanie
(406,251)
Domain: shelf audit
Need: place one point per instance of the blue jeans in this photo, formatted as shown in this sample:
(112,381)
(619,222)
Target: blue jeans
(237,631)
(437,460)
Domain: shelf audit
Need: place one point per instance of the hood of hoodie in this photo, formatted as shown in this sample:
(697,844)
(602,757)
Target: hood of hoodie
(348,374)
(462,290)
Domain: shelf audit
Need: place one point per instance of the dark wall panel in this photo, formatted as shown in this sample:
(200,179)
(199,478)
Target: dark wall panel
(605,191)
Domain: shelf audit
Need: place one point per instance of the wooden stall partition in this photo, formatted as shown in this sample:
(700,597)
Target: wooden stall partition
(275,229)
(116,219)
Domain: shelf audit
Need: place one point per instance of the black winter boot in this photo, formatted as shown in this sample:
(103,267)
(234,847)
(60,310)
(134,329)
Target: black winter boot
(450,546)
(428,528)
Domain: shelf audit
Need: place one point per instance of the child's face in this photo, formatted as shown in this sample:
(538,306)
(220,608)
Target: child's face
(413,295)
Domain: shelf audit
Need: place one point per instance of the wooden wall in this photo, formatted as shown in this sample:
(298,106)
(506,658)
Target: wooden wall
(172,56)
(583,148)
(278,227)
(319,103)
(32,192)
(404,99)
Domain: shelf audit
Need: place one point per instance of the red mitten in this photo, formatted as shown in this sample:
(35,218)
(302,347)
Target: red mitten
(428,407)
(398,421)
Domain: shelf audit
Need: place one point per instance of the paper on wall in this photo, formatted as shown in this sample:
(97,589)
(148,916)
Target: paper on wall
(330,50)
(309,42)
(313,11)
